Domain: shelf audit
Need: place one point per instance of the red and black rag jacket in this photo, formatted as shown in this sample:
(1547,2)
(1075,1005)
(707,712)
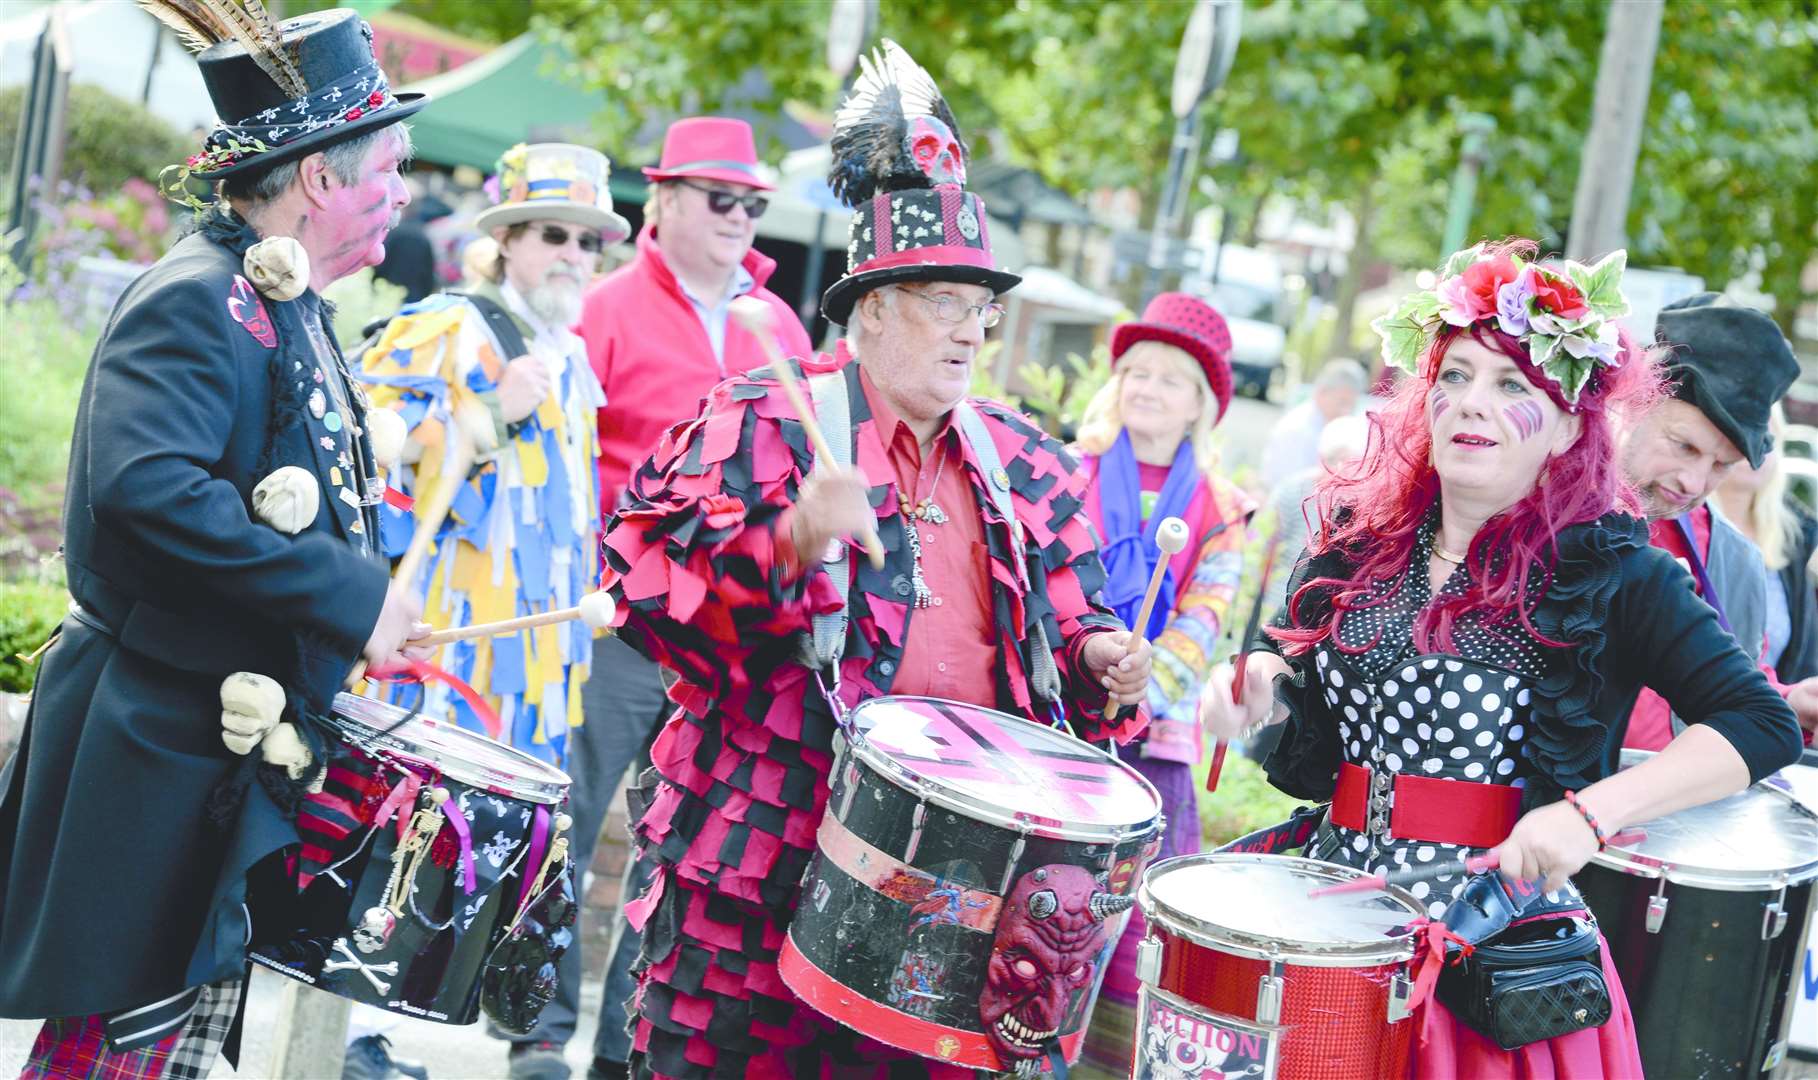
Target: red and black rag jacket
(695,567)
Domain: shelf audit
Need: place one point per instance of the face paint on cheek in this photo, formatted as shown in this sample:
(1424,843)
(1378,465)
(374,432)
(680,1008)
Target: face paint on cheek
(1526,417)
(1437,401)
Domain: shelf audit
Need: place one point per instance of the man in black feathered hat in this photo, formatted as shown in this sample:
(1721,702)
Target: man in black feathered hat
(218,539)
(1726,365)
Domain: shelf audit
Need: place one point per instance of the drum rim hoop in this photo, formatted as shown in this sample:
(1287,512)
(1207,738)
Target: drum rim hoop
(1698,876)
(1196,931)
(989,814)
(549,787)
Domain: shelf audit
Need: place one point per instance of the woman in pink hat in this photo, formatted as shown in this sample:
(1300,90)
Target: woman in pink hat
(1147,444)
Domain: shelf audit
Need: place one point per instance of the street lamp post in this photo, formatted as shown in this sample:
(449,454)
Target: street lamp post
(1207,48)
(1474,134)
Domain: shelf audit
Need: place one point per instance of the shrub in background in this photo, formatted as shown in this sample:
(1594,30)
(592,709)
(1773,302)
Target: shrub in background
(111,139)
(29,613)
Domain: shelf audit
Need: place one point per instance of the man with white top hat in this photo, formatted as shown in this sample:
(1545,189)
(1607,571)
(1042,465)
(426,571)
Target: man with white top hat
(521,537)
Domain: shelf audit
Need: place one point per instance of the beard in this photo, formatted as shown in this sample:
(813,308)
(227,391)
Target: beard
(557,301)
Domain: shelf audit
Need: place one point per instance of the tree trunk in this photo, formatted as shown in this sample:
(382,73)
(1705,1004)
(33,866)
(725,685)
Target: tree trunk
(1606,173)
(1352,283)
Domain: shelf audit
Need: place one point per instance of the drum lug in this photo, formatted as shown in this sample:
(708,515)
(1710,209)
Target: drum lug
(1775,1055)
(1774,917)
(1268,997)
(852,778)
(1401,994)
(915,832)
(1016,855)
(1657,908)
(1148,960)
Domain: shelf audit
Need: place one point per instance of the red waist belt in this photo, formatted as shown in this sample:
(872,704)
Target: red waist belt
(1430,809)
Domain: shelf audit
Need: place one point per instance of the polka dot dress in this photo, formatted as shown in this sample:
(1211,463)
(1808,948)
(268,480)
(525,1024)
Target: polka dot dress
(1455,717)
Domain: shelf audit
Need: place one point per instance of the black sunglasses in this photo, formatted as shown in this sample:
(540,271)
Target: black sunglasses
(722,202)
(557,236)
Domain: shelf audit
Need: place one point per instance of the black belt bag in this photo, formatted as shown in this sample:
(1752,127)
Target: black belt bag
(1533,981)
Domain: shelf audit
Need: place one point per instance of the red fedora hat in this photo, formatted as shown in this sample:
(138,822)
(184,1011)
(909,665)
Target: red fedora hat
(710,148)
(1191,325)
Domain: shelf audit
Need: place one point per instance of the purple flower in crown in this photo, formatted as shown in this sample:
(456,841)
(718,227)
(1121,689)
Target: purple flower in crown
(1512,305)
(491,188)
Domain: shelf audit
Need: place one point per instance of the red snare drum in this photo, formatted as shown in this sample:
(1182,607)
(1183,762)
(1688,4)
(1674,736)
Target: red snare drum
(1243,973)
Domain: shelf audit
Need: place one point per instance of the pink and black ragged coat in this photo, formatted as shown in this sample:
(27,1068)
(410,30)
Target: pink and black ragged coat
(700,587)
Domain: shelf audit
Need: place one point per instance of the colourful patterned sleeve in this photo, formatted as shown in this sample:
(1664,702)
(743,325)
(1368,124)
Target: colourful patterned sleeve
(1184,649)
(693,560)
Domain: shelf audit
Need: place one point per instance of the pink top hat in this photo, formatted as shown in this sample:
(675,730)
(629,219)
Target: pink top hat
(710,148)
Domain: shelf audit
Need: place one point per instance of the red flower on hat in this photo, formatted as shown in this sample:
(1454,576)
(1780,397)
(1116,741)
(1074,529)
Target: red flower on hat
(376,98)
(355,113)
(195,161)
(1557,295)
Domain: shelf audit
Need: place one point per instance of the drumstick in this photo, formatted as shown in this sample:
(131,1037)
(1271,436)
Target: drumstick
(467,433)
(756,317)
(1243,656)
(1470,864)
(595,609)
(1171,538)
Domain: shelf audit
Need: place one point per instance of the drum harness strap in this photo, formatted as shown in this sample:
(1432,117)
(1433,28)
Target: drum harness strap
(823,646)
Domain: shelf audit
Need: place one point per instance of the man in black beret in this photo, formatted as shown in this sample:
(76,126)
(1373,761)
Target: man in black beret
(1726,366)
(218,535)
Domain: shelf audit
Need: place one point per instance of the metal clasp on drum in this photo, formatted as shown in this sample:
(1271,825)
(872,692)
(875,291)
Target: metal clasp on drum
(1657,907)
(1774,916)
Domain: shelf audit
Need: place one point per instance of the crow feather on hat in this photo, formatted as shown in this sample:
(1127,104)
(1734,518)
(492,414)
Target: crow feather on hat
(894,131)
(202,23)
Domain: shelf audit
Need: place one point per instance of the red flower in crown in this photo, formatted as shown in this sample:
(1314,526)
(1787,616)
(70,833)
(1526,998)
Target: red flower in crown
(1482,279)
(355,113)
(1557,295)
(376,98)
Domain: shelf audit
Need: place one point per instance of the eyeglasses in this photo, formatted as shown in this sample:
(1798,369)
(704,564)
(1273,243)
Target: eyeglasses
(557,236)
(951,309)
(721,202)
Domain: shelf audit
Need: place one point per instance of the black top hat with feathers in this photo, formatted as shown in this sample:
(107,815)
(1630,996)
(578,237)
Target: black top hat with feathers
(899,163)
(281,90)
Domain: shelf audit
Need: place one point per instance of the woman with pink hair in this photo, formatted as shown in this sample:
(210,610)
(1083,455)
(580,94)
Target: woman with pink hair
(1476,611)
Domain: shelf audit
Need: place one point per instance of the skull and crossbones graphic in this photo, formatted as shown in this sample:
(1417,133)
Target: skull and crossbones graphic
(355,963)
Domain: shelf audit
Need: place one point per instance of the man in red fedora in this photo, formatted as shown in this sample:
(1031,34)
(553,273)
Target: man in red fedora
(658,334)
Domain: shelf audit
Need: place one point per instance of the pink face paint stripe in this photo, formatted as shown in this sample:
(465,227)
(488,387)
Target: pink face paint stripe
(1527,418)
(1437,401)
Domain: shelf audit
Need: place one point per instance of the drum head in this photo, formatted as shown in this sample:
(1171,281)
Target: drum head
(1757,838)
(454,751)
(1257,905)
(1003,769)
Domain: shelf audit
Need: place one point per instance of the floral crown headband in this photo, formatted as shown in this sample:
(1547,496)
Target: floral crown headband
(1566,315)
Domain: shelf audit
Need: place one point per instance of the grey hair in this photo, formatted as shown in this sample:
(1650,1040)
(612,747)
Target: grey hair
(344,159)
(1348,374)
(852,320)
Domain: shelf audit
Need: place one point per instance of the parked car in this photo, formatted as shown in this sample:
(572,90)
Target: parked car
(1248,293)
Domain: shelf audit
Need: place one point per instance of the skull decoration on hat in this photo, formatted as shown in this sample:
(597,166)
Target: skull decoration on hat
(899,161)
(1566,314)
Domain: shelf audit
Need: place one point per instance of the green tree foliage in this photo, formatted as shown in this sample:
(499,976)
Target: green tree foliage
(1337,102)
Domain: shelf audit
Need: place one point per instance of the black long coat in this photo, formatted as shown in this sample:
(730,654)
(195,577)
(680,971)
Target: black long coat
(109,861)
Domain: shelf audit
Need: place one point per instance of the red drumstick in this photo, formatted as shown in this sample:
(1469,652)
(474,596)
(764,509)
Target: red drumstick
(1219,746)
(1470,864)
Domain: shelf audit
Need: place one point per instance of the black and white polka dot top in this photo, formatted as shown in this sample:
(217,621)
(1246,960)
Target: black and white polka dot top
(1457,716)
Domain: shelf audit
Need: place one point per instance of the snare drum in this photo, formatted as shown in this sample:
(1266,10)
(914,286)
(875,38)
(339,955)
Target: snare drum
(1705,920)
(403,913)
(1242,972)
(971,875)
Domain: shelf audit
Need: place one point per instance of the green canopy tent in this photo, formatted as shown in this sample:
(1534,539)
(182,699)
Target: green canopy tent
(480,109)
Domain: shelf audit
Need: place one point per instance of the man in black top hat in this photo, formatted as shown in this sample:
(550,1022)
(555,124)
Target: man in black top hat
(220,522)
(1726,366)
